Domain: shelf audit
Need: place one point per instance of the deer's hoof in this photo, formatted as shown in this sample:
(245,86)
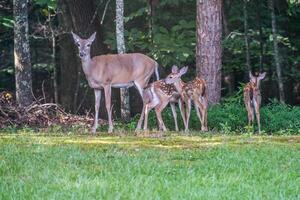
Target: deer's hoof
(93,130)
(204,129)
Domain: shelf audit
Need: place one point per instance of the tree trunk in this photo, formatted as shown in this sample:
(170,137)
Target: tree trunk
(208,49)
(248,63)
(22,54)
(124,92)
(77,15)
(54,75)
(276,53)
(261,39)
(225,10)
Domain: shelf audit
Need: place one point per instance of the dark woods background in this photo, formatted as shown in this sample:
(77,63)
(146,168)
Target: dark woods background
(162,29)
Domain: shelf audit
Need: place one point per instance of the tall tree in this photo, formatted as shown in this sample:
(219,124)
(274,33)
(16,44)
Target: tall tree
(276,52)
(261,37)
(208,49)
(22,54)
(124,92)
(248,63)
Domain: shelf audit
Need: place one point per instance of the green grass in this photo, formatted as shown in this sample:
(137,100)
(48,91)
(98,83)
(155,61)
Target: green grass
(37,166)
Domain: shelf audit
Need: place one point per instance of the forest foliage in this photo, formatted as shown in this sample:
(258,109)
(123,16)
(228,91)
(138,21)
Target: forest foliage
(164,30)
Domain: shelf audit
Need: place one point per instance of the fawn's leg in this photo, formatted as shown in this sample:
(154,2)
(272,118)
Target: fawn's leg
(257,113)
(182,111)
(158,109)
(174,115)
(203,110)
(188,112)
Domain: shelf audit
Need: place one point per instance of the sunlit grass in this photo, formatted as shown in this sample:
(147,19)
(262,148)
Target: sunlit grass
(35,166)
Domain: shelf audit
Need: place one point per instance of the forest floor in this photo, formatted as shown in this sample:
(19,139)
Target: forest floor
(35,166)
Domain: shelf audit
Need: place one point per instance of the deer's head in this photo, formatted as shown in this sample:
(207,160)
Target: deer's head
(257,78)
(84,45)
(175,75)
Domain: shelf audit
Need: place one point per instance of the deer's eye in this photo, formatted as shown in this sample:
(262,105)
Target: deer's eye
(88,45)
(78,44)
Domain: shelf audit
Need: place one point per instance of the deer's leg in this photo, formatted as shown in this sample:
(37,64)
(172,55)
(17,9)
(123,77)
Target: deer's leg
(140,89)
(250,112)
(182,111)
(203,110)
(200,114)
(139,125)
(249,109)
(257,113)
(158,109)
(107,91)
(148,108)
(174,115)
(97,106)
(188,112)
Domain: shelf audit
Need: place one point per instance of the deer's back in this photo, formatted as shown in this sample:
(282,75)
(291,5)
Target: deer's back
(121,68)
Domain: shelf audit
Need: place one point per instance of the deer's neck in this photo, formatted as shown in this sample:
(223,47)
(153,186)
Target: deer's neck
(86,64)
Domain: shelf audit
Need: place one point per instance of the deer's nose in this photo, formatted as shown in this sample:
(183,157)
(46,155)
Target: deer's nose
(81,54)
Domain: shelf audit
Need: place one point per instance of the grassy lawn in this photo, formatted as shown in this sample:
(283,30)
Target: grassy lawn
(37,166)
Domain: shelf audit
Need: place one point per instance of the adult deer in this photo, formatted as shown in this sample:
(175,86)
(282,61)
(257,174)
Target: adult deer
(114,70)
(193,91)
(252,97)
(157,95)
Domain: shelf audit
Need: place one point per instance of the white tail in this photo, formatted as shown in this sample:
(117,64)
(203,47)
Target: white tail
(157,95)
(252,97)
(193,91)
(114,70)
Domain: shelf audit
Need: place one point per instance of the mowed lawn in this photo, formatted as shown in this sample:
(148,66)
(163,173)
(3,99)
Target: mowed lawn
(37,166)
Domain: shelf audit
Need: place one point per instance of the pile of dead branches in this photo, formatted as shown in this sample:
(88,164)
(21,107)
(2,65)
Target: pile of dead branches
(36,115)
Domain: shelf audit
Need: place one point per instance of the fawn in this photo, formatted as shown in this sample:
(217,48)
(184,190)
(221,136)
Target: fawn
(252,97)
(157,95)
(192,91)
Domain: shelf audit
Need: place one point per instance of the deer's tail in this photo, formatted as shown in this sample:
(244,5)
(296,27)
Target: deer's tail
(156,71)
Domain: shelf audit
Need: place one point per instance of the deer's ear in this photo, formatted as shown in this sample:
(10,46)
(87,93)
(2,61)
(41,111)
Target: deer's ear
(75,37)
(262,75)
(174,69)
(92,38)
(250,75)
(183,70)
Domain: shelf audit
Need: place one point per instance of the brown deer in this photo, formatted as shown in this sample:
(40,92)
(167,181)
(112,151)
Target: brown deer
(193,91)
(114,70)
(252,97)
(157,95)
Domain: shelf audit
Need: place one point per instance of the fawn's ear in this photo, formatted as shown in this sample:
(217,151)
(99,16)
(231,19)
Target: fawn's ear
(92,38)
(174,69)
(183,70)
(250,75)
(75,37)
(262,75)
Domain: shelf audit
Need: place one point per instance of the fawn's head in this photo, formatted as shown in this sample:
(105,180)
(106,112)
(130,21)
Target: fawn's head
(175,75)
(257,78)
(84,45)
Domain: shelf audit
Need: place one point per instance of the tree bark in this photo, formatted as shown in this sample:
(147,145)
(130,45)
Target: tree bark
(208,48)
(124,92)
(248,62)
(22,54)
(276,52)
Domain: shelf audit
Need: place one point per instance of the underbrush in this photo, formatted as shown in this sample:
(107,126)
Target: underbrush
(229,117)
